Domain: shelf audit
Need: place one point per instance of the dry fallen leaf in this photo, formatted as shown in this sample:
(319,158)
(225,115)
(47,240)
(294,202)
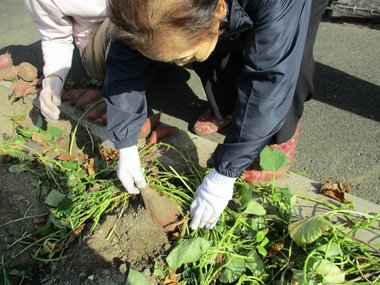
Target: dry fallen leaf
(275,249)
(65,157)
(90,166)
(336,190)
(39,138)
(219,260)
(171,279)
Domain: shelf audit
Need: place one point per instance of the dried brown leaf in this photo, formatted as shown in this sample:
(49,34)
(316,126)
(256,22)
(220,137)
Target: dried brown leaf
(336,190)
(171,279)
(65,157)
(275,249)
(39,138)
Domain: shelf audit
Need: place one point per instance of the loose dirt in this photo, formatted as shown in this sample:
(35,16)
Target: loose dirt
(97,258)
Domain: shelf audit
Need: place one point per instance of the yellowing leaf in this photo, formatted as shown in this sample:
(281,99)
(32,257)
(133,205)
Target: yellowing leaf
(308,230)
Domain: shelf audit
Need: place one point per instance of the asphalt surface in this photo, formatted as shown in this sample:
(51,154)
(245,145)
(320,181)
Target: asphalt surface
(340,129)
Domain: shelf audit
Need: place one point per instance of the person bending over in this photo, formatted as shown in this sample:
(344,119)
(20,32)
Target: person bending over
(255,62)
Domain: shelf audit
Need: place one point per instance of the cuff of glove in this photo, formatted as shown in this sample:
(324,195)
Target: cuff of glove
(130,152)
(221,180)
(53,82)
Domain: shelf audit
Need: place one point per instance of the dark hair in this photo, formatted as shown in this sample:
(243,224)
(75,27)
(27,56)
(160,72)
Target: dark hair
(141,23)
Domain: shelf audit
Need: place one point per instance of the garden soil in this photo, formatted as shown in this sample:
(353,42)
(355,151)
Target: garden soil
(98,258)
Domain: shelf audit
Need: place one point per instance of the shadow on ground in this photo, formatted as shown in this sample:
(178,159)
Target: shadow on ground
(343,91)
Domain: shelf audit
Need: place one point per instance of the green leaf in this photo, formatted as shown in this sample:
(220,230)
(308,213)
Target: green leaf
(51,133)
(245,195)
(58,222)
(16,117)
(234,269)
(18,168)
(298,278)
(159,272)
(254,208)
(25,132)
(308,230)
(54,132)
(261,235)
(257,223)
(136,278)
(69,165)
(254,263)
(261,250)
(330,249)
(210,256)
(58,200)
(330,273)
(272,159)
(186,251)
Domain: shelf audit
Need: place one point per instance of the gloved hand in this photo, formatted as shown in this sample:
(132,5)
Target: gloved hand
(129,170)
(50,97)
(211,197)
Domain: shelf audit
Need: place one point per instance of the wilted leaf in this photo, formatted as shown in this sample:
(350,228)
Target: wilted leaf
(39,138)
(171,279)
(254,263)
(257,223)
(308,230)
(18,168)
(330,273)
(272,159)
(234,269)
(65,157)
(254,208)
(186,251)
(275,249)
(135,277)
(298,278)
(330,249)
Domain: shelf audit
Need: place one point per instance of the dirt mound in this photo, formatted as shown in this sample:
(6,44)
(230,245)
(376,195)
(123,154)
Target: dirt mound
(135,242)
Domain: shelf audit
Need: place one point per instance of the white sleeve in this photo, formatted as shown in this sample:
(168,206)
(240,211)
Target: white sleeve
(56,36)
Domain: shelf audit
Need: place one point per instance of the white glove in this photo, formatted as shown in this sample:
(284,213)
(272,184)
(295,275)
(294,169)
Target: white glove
(129,170)
(50,97)
(211,198)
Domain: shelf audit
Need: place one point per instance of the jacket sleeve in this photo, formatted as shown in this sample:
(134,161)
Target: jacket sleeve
(127,77)
(56,36)
(267,83)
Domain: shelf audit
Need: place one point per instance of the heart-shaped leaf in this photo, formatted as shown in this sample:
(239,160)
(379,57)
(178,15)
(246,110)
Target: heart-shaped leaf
(186,251)
(330,273)
(308,230)
(254,208)
(135,277)
(272,159)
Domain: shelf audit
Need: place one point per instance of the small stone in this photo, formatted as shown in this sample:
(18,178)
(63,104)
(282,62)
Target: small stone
(91,277)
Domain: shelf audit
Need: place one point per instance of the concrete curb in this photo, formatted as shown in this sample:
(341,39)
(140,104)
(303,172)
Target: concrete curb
(200,150)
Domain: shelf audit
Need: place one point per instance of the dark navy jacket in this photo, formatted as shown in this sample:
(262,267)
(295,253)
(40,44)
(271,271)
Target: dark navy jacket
(272,35)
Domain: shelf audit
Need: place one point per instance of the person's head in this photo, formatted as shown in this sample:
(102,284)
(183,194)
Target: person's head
(177,31)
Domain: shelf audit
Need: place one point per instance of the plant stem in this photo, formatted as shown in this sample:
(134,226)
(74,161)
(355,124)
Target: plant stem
(22,219)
